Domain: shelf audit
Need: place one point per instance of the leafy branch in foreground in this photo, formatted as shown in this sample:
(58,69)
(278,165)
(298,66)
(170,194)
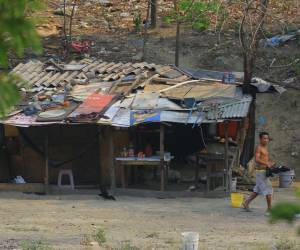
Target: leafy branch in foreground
(9,94)
(286,211)
(17,32)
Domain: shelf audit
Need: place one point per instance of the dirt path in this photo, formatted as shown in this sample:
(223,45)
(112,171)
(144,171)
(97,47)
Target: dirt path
(65,221)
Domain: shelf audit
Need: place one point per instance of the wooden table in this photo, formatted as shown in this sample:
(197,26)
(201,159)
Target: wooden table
(145,161)
(213,169)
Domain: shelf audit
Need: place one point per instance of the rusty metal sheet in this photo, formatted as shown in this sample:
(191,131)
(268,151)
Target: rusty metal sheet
(172,73)
(161,69)
(81,92)
(201,91)
(178,93)
(120,89)
(205,91)
(147,100)
(154,87)
(95,102)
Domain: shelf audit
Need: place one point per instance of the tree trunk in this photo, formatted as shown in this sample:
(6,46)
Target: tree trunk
(251,53)
(153,13)
(177,48)
(248,68)
(146,31)
(69,38)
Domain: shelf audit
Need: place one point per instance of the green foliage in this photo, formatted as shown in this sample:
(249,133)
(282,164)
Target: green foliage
(192,12)
(168,19)
(137,20)
(222,14)
(35,245)
(17,32)
(9,93)
(286,211)
(100,237)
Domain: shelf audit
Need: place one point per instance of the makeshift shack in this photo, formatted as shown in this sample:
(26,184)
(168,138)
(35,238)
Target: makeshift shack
(96,117)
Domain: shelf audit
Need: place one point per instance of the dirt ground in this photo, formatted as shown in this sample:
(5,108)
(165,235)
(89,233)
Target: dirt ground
(67,222)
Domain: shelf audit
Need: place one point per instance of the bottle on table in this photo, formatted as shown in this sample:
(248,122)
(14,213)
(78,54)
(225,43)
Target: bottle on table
(131,150)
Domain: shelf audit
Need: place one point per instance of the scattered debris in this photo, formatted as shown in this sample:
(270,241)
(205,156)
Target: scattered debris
(19,180)
(105,3)
(280,39)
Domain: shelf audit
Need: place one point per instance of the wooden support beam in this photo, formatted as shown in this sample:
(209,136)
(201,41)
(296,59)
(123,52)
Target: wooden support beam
(110,134)
(177,85)
(162,154)
(46,162)
(226,164)
(99,128)
(242,131)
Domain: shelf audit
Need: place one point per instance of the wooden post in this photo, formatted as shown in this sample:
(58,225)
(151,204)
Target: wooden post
(153,13)
(240,141)
(46,162)
(111,159)
(226,165)
(99,155)
(162,154)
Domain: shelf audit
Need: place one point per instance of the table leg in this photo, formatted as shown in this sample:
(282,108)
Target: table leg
(197,171)
(213,180)
(123,177)
(113,175)
(155,173)
(162,178)
(167,165)
(208,177)
(135,174)
(197,175)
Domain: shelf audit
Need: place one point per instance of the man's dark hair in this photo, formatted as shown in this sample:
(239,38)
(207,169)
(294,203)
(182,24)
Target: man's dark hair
(261,134)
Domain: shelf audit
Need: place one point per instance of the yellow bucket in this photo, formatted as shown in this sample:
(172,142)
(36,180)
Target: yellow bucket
(237,199)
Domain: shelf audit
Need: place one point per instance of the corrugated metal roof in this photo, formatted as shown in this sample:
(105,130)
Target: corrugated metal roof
(38,74)
(182,117)
(202,91)
(138,82)
(234,109)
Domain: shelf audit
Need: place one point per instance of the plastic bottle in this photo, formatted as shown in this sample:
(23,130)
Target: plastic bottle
(131,150)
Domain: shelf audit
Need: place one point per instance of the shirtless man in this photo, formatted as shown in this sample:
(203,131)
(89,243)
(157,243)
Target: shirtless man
(263,185)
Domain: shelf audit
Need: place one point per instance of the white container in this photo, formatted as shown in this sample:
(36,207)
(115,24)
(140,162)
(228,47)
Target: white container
(233,184)
(286,179)
(190,240)
(167,156)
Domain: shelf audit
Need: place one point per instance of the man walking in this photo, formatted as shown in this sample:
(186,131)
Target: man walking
(263,185)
